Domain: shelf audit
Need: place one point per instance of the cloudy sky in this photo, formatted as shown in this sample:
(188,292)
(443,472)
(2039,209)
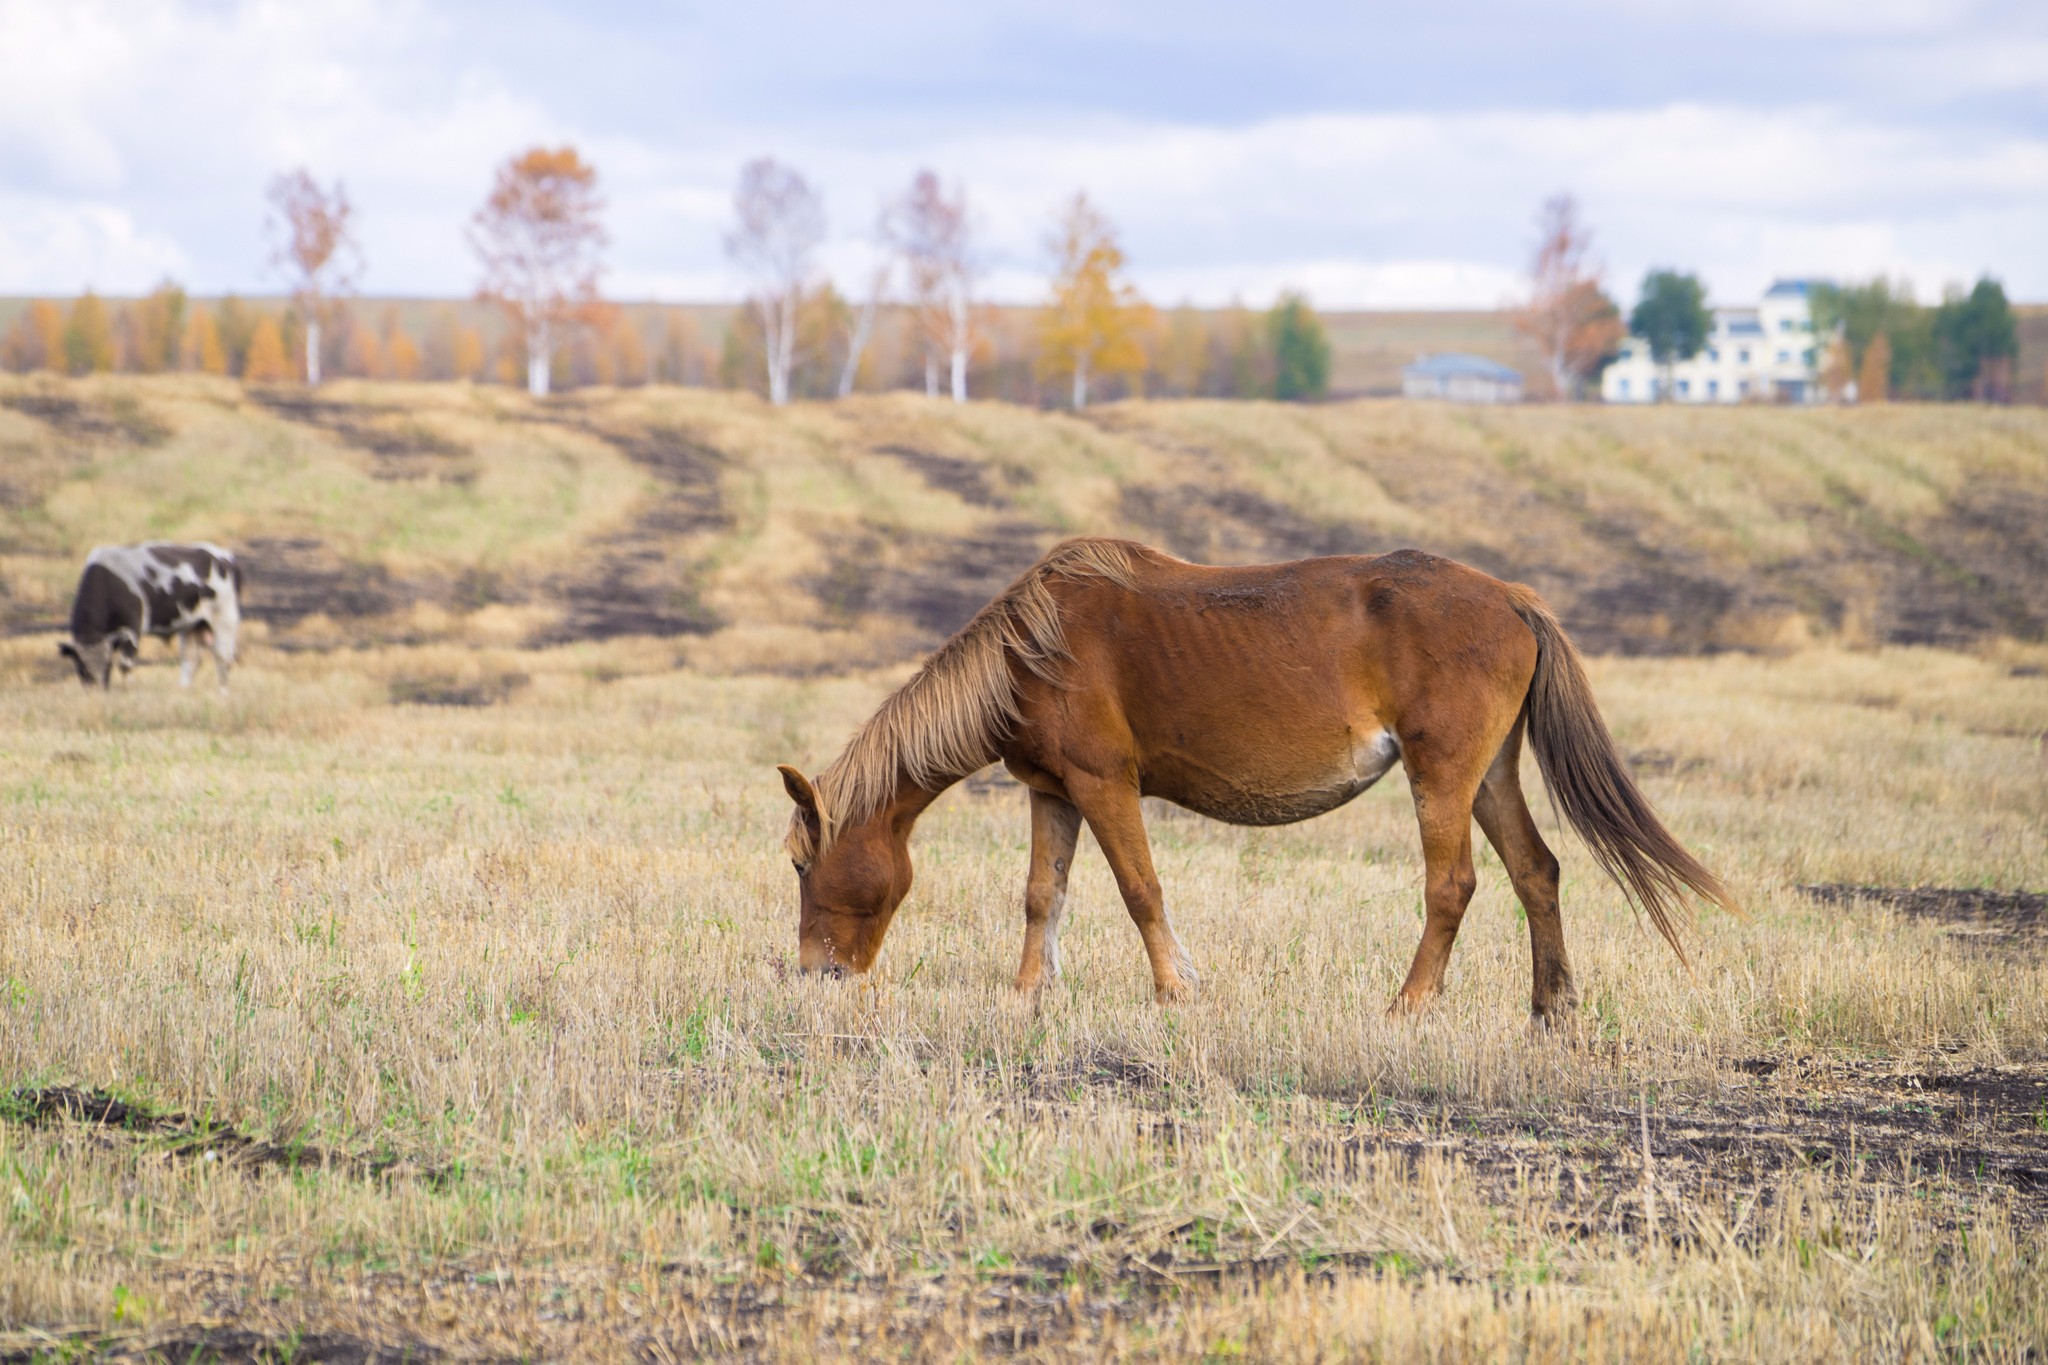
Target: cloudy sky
(1377,155)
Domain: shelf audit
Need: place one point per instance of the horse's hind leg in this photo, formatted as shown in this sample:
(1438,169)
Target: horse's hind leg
(1055,826)
(1445,814)
(1504,814)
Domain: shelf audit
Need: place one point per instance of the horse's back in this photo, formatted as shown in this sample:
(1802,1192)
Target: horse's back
(1266,693)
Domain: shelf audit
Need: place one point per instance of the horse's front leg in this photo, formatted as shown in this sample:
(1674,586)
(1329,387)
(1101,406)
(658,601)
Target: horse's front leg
(1118,821)
(1055,826)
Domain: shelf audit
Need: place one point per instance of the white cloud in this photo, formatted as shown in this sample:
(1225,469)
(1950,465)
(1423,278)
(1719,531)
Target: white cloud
(91,246)
(136,137)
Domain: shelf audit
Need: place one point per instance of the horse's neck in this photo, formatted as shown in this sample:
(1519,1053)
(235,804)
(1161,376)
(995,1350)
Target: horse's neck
(908,802)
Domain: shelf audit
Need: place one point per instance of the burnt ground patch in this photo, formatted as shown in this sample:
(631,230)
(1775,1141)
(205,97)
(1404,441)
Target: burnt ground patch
(1991,917)
(476,692)
(644,580)
(964,479)
(942,581)
(403,448)
(183,1135)
(240,1346)
(292,577)
(1975,1135)
(119,418)
(1220,524)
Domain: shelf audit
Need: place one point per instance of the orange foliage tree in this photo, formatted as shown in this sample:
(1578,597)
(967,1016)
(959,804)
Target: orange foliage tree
(36,341)
(1095,324)
(1874,380)
(541,245)
(88,336)
(202,349)
(401,353)
(266,362)
(1569,316)
(315,249)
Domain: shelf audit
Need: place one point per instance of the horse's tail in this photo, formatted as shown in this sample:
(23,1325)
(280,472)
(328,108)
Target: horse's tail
(1592,786)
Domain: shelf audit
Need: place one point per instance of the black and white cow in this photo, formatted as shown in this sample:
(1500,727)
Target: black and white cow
(192,593)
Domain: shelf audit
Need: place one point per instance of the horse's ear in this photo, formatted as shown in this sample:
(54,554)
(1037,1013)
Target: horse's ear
(799,788)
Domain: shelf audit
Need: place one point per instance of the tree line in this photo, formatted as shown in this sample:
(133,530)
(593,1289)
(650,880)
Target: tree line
(539,240)
(1875,341)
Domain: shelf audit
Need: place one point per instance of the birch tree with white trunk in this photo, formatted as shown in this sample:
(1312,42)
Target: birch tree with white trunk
(780,223)
(936,242)
(861,330)
(541,245)
(315,249)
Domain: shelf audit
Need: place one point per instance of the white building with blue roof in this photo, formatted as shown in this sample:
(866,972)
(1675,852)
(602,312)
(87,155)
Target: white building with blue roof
(1765,354)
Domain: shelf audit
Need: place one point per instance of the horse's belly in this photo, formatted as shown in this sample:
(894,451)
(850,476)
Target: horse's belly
(1267,793)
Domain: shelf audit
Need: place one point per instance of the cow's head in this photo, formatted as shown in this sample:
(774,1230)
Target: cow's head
(96,662)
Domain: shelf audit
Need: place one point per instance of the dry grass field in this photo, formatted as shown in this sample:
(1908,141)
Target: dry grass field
(431,992)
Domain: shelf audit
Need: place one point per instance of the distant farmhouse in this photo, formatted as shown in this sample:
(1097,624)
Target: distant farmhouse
(1461,379)
(1765,354)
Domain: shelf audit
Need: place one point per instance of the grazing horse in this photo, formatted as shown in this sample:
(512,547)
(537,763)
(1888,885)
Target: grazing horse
(1260,696)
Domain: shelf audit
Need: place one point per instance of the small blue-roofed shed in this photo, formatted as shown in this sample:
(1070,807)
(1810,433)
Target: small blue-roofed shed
(1461,379)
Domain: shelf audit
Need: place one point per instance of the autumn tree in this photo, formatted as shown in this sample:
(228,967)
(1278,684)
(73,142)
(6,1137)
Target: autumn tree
(36,341)
(1858,313)
(1094,325)
(153,330)
(201,348)
(1873,379)
(402,358)
(540,242)
(266,362)
(88,336)
(315,250)
(779,223)
(933,234)
(1568,316)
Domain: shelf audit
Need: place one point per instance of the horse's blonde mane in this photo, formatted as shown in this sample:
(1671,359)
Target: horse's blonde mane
(947,720)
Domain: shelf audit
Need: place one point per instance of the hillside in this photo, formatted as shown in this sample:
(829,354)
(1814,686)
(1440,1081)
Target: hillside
(829,536)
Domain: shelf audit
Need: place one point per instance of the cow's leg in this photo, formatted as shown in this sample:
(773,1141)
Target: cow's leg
(188,657)
(1118,822)
(223,642)
(1055,826)
(1504,814)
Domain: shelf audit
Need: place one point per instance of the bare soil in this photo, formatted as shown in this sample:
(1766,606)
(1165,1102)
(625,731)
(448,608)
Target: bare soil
(646,579)
(403,448)
(186,1137)
(1990,917)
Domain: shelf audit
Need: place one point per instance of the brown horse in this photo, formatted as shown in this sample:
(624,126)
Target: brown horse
(1264,695)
